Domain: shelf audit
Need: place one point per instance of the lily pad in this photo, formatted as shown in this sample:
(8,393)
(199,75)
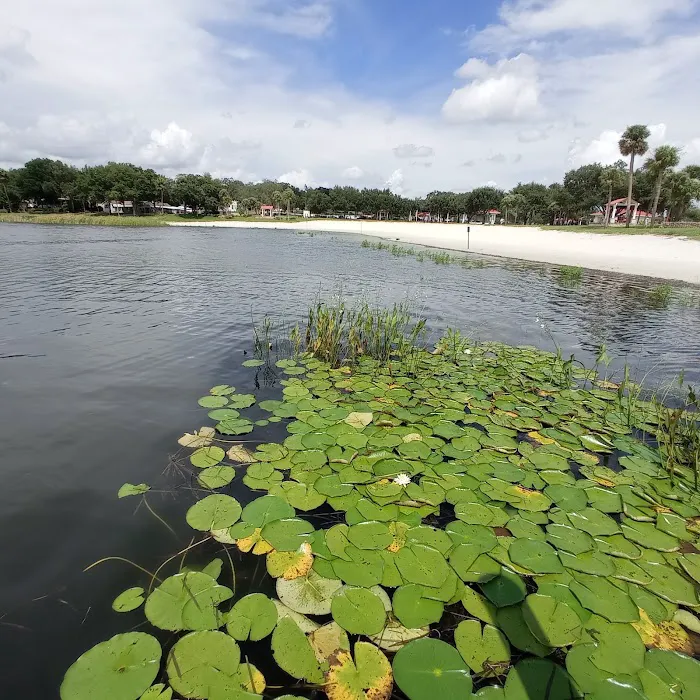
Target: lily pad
(394,636)
(309,595)
(540,679)
(367,677)
(358,611)
(370,535)
(132,490)
(187,601)
(427,669)
(603,598)
(486,650)
(201,662)
(538,557)
(287,534)
(293,652)
(216,477)
(413,609)
(121,668)
(129,600)
(207,456)
(552,622)
(214,512)
(252,617)
(421,564)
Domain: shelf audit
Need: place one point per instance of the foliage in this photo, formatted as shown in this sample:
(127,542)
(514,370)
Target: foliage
(470,482)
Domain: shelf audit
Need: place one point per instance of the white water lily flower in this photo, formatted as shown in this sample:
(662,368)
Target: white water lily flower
(467,352)
(402,480)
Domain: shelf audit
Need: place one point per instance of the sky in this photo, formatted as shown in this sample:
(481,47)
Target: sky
(414,95)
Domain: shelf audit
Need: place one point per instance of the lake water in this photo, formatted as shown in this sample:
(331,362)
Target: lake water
(110,335)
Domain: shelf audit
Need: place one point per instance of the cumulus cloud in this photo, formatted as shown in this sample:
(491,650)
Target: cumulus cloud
(505,91)
(410,150)
(605,149)
(469,164)
(301,124)
(172,148)
(497,158)
(299,178)
(353,173)
(395,183)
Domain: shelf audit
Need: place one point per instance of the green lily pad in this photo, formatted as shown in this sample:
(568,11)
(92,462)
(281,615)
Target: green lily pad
(512,622)
(552,622)
(413,609)
(585,673)
(252,617)
(668,584)
(159,691)
(358,611)
(569,539)
(212,401)
(648,535)
(129,600)
(293,652)
(132,490)
(216,477)
(481,514)
(486,650)
(370,535)
(589,563)
(538,557)
(593,522)
(427,669)
(363,567)
(241,400)
(601,597)
(201,662)
(508,588)
(478,606)
(207,456)
(394,636)
(214,512)
(620,648)
(265,510)
(187,601)
(287,534)
(677,670)
(121,668)
(309,595)
(423,565)
(235,426)
(540,679)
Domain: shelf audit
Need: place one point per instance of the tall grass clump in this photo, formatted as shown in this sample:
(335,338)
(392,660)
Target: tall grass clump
(340,334)
(571,274)
(660,296)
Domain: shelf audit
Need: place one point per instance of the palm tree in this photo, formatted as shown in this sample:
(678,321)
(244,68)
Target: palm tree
(288,196)
(664,160)
(613,178)
(4,179)
(633,143)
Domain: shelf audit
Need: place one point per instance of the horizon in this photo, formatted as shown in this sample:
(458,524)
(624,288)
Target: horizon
(320,93)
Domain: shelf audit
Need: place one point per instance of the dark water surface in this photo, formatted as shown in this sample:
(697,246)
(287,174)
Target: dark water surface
(108,337)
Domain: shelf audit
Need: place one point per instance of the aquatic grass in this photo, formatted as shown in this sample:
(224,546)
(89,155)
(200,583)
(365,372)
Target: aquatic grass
(570,274)
(341,334)
(660,296)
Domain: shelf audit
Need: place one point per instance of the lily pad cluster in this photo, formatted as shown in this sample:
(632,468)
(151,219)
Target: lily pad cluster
(488,524)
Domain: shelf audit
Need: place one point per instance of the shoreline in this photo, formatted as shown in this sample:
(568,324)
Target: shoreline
(661,257)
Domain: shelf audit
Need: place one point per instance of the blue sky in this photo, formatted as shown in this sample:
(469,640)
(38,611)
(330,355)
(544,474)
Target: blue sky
(415,96)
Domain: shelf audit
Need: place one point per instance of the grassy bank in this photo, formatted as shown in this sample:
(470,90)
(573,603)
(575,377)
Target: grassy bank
(87,219)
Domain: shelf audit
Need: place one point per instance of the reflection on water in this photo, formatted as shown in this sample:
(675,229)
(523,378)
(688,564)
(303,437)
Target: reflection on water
(109,336)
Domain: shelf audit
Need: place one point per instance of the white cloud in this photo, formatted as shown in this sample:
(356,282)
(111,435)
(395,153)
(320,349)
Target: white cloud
(525,20)
(605,149)
(533,135)
(410,150)
(299,178)
(172,148)
(302,124)
(506,91)
(353,173)
(395,183)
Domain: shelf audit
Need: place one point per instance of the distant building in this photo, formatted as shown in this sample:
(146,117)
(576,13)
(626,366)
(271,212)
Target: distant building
(230,209)
(267,210)
(617,211)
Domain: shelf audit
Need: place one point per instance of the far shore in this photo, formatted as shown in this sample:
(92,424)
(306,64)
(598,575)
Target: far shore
(663,257)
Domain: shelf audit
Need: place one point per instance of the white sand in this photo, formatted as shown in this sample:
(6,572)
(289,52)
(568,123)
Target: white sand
(652,256)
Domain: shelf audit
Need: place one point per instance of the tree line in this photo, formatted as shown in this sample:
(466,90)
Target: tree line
(658,185)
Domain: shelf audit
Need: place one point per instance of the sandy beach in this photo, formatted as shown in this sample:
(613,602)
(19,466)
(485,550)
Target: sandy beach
(648,255)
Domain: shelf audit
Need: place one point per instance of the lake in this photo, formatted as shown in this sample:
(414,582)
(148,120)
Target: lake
(109,336)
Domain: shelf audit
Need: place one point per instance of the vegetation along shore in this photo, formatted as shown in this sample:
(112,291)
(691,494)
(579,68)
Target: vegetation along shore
(477,518)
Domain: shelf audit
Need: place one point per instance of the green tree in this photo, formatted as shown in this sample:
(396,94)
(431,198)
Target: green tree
(681,190)
(632,144)
(288,197)
(611,178)
(482,199)
(585,188)
(513,202)
(661,164)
